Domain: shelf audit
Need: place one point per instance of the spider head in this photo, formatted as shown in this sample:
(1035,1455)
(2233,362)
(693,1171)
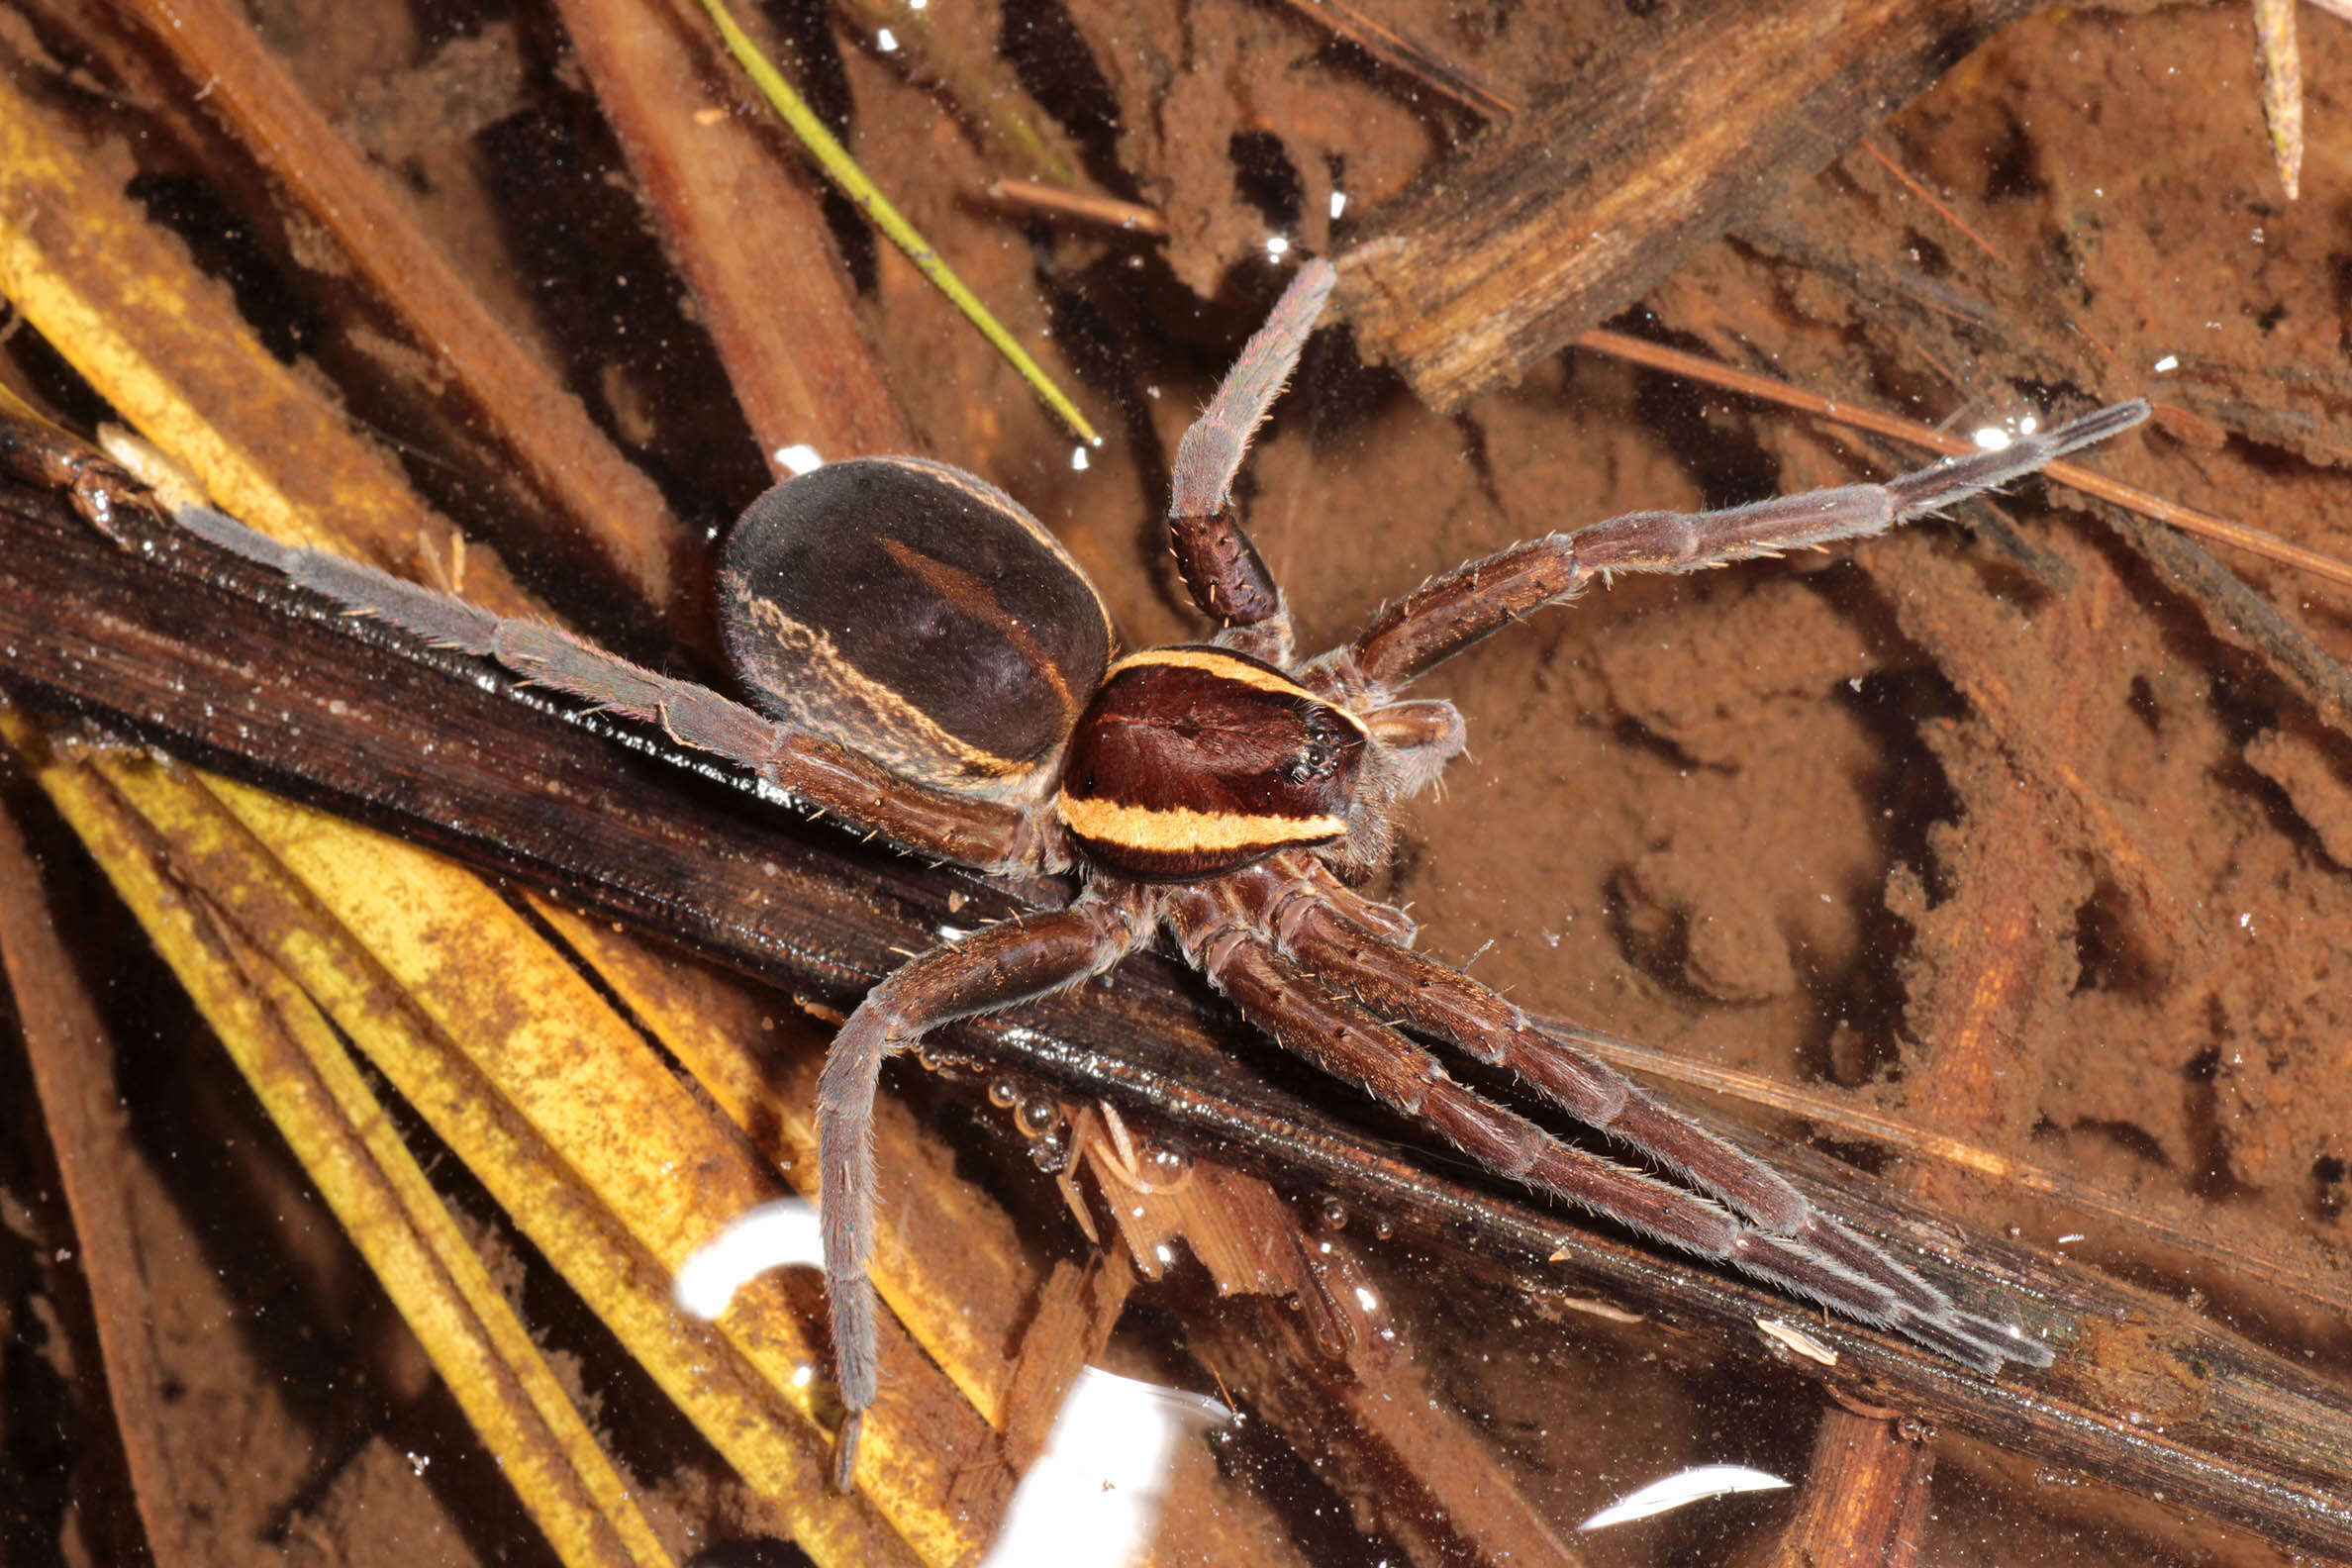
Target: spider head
(916,615)
(1196,760)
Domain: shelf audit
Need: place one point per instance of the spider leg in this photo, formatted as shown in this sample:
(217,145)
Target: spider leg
(1448,614)
(989,969)
(816,773)
(1222,569)
(1341,1038)
(1389,922)
(1449,1006)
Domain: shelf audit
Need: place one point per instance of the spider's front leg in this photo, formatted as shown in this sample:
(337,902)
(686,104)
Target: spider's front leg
(44,457)
(1222,569)
(1449,613)
(1217,926)
(1445,1005)
(989,969)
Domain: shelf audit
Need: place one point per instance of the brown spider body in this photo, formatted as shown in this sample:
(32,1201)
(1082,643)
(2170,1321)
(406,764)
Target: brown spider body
(934,669)
(947,635)
(1196,760)
(950,637)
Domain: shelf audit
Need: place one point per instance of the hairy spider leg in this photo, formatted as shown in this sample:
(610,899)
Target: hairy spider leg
(1222,569)
(1343,937)
(820,774)
(997,967)
(1449,613)
(1341,1038)
(1450,1006)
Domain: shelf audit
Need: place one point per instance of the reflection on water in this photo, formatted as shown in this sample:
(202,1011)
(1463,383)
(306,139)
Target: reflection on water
(1694,1484)
(1091,1498)
(780,1234)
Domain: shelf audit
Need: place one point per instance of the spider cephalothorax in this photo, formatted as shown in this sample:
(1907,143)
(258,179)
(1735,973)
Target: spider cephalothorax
(1196,760)
(930,666)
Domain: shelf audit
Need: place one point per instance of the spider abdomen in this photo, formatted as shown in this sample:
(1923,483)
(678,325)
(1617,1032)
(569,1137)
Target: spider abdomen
(915,613)
(1195,760)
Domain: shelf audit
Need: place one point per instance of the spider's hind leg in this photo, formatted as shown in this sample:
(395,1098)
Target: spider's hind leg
(820,774)
(1222,569)
(989,969)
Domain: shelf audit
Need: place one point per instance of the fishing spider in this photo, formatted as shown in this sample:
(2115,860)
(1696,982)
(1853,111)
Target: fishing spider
(930,666)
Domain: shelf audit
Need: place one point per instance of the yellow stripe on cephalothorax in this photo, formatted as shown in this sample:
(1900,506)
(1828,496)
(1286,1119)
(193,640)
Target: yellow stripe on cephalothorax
(1179,829)
(1240,671)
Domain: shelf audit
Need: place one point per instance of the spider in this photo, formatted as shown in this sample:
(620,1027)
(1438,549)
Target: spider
(927,665)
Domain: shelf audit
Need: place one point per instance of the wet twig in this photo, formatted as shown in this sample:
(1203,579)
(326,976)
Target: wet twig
(1507,251)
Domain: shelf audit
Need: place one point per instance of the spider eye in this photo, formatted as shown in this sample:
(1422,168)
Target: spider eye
(1326,746)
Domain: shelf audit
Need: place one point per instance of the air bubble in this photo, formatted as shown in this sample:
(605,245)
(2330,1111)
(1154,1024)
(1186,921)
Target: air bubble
(1049,1152)
(1165,1166)
(1038,1116)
